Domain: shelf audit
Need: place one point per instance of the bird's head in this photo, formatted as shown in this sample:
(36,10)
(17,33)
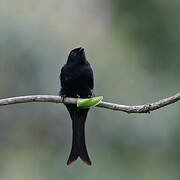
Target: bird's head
(76,55)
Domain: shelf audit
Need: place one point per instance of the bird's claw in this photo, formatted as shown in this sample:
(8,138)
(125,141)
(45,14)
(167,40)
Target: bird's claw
(63,98)
(91,95)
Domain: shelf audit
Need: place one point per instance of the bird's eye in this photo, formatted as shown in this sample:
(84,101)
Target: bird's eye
(73,53)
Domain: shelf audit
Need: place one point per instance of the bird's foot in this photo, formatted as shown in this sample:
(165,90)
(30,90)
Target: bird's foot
(63,97)
(91,95)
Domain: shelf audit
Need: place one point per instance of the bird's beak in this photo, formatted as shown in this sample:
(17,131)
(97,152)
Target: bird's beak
(81,50)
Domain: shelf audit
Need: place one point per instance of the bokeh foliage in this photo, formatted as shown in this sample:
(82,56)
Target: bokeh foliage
(133,47)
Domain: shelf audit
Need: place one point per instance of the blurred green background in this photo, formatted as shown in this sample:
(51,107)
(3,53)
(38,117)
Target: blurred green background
(133,47)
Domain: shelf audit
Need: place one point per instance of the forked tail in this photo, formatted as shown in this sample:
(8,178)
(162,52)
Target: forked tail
(78,149)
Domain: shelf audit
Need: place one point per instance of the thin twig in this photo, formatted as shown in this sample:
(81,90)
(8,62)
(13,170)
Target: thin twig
(146,108)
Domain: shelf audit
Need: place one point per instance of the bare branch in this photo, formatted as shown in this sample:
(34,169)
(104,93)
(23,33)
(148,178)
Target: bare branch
(146,108)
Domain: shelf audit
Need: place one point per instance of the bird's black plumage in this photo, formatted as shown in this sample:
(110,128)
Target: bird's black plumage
(77,80)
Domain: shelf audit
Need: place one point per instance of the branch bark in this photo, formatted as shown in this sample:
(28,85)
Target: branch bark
(146,108)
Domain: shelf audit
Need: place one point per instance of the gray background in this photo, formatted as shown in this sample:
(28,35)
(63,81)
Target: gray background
(133,47)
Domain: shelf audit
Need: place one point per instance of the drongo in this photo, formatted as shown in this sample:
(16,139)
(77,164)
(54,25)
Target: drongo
(77,80)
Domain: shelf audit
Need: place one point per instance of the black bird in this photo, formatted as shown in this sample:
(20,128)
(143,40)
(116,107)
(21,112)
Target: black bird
(77,80)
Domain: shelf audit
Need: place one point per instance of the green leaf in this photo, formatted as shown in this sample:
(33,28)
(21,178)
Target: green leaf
(87,103)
